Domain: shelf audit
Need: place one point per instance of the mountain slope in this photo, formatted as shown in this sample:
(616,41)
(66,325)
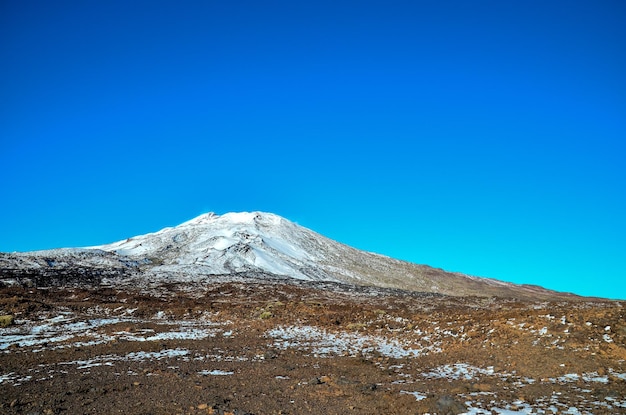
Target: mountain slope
(264,243)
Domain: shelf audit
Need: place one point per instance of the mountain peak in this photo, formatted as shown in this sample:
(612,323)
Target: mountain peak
(235,218)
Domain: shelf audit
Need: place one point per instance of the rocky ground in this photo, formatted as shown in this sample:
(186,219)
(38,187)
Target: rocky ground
(279,348)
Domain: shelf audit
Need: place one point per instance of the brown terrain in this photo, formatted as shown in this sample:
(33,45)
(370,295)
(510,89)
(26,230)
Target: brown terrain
(305,348)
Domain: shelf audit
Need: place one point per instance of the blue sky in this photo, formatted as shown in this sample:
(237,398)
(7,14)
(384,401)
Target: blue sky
(484,137)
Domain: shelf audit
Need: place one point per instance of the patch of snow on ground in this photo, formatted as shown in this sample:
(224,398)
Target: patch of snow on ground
(53,330)
(587,377)
(183,334)
(525,410)
(324,343)
(621,376)
(215,372)
(107,360)
(595,377)
(104,360)
(418,396)
(163,354)
(459,371)
(7,377)
(570,377)
(60,331)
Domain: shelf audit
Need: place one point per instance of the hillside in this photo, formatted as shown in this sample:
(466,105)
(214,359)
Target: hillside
(245,244)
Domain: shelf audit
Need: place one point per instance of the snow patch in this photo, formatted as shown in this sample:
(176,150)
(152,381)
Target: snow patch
(418,396)
(324,343)
(215,372)
(460,371)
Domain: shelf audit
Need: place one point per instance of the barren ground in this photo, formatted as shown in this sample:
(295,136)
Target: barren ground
(253,348)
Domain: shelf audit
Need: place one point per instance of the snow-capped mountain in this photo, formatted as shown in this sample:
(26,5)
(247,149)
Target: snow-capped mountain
(232,243)
(260,244)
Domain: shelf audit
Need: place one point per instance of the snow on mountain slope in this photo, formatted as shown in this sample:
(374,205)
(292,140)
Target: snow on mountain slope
(235,242)
(267,243)
(256,243)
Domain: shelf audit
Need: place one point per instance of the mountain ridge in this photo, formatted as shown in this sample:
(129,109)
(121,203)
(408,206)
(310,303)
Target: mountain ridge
(261,243)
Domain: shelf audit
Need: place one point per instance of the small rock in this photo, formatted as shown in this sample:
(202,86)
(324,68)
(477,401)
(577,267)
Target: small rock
(370,387)
(324,379)
(203,406)
(446,405)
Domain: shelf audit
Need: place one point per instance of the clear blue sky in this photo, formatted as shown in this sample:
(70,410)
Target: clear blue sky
(485,137)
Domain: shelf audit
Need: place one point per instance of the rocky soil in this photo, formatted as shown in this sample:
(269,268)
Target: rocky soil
(237,347)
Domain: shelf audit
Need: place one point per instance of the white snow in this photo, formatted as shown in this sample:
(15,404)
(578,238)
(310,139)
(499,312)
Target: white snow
(284,247)
(570,377)
(215,372)
(268,263)
(163,354)
(223,243)
(418,396)
(587,377)
(324,343)
(69,330)
(104,360)
(274,244)
(247,241)
(459,371)
(595,377)
(621,376)
(183,334)
(6,376)
(526,410)
(53,330)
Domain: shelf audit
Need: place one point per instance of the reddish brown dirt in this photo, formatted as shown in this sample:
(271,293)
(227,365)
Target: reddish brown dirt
(518,353)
